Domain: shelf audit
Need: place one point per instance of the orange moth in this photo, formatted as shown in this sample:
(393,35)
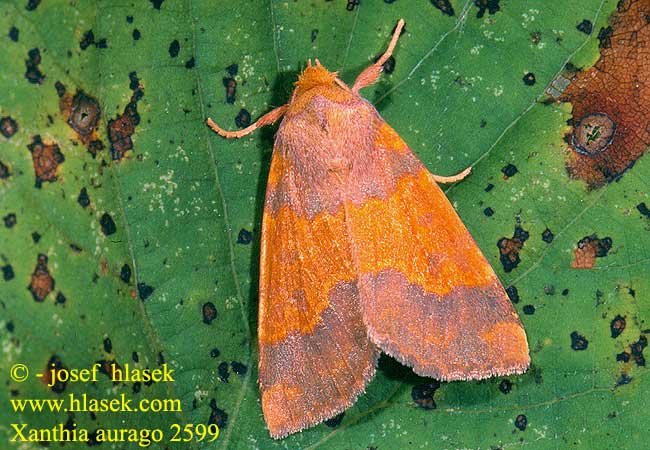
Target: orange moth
(361,253)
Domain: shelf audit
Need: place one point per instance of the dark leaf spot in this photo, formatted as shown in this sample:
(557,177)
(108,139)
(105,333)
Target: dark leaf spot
(190,63)
(244,237)
(8,272)
(617,326)
(125,273)
(174,48)
(36,237)
(422,394)
(623,380)
(135,357)
(521,422)
(352,4)
(238,368)
(444,6)
(214,353)
(144,291)
(389,66)
(60,88)
(136,34)
(491,6)
(513,294)
(83,198)
(107,223)
(4,171)
(335,421)
(314,34)
(223,372)
(10,220)
(108,345)
(489,187)
(585,26)
(636,349)
(509,171)
(505,386)
(87,40)
(643,209)
(33,73)
(565,292)
(547,236)
(209,312)
(578,341)
(623,357)
(529,79)
(243,119)
(232,69)
(231,89)
(604,37)
(8,127)
(217,416)
(529,310)
(489,212)
(32,5)
(60,298)
(13,34)
(156,3)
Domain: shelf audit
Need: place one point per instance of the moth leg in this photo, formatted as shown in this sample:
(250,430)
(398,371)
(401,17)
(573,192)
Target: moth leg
(453,178)
(371,73)
(267,119)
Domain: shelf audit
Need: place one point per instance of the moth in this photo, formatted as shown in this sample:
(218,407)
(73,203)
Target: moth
(361,252)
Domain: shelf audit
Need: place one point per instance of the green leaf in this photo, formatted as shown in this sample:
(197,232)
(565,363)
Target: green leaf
(145,249)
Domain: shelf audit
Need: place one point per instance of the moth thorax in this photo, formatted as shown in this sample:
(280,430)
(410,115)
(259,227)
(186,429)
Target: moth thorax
(314,76)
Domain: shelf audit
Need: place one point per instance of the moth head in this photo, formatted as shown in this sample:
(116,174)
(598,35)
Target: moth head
(313,76)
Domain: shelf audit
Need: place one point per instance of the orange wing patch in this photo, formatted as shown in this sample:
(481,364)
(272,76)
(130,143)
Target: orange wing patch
(315,355)
(428,295)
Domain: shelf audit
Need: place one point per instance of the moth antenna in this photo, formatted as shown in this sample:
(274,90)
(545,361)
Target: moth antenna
(452,179)
(371,74)
(267,119)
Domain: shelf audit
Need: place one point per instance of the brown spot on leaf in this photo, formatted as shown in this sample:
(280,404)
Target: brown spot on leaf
(617,326)
(231,89)
(82,113)
(209,312)
(33,73)
(46,158)
(589,248)
(616,91)
(509,248)
(123,126)
(636,349)
(42,282)
(8,127)
(578,341)
(593,134)
(521,422)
